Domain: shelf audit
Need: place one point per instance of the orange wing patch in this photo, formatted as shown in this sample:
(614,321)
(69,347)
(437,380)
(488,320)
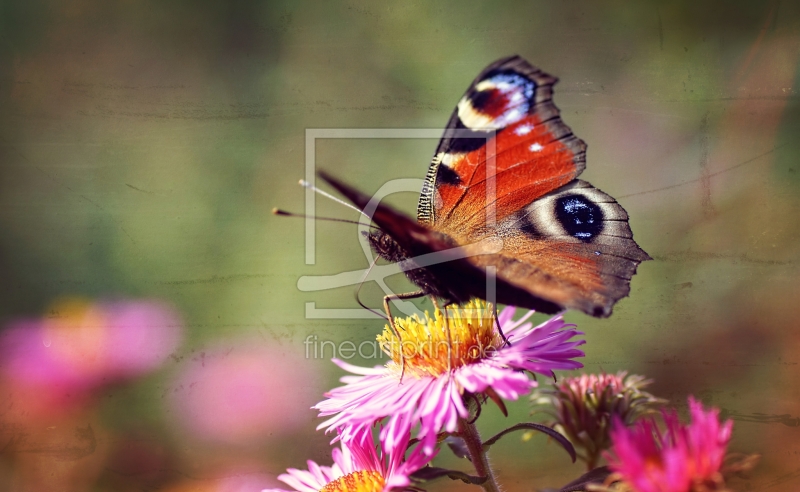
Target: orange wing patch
(527,159)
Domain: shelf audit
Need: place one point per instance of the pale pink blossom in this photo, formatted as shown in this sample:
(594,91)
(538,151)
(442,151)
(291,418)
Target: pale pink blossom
(243,392)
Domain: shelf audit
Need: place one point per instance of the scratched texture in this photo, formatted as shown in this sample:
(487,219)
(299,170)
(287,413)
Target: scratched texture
(143,144)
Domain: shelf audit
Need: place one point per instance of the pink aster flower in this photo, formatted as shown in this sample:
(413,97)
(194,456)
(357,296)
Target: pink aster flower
(56,363)
(446,359)
(359,467)
(584,407)
(681,458)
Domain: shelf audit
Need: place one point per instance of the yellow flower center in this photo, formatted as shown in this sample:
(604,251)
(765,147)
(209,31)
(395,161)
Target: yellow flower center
(359,481)
(433,346)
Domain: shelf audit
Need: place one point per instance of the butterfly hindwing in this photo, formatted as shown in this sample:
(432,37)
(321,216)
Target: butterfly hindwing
(572,246)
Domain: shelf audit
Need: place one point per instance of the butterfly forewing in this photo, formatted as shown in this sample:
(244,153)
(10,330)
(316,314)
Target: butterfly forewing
(505,127)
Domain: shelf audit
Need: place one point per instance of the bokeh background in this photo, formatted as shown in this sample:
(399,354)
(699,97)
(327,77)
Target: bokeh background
(144,143)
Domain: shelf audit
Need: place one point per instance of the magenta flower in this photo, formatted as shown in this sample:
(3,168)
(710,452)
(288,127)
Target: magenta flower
(55,363)
(443,363)
(359,467)
(681,458)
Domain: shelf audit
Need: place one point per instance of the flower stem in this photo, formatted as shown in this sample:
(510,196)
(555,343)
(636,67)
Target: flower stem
(472,439)
(592,457)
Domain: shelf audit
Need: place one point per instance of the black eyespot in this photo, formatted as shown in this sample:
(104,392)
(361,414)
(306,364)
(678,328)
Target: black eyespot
(446,176)
(579,216)
(480,99)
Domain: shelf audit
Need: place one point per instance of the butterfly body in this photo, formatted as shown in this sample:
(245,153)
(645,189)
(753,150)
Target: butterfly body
(505,173)
(387,248)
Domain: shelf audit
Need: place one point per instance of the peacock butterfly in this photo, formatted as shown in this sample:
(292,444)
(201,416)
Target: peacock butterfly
(505,173)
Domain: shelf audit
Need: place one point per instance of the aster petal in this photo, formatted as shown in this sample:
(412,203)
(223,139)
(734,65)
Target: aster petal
(392,433)
(341,463)
(506,316)
(316,471)
(361,398)
(505,319)
(437,412)
(363,371)
(359,454)
(305,481)
(475,378)
(544,348)
(370,398)
(363,455)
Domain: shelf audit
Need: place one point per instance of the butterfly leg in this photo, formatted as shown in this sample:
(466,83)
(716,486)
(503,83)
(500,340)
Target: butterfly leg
(499,328)
(396,297)
(443,309)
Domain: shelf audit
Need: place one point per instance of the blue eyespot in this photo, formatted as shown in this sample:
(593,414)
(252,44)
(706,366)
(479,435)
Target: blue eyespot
(579,216)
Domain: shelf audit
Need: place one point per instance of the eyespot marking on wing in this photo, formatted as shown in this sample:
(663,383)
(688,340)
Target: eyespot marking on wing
(577,211)
(579,216)
(496,102)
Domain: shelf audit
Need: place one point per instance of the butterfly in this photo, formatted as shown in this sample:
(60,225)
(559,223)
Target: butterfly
(502,191)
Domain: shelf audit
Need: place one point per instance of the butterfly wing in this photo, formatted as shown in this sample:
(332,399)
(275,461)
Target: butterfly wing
(504,144)
(572,246)
(507,167)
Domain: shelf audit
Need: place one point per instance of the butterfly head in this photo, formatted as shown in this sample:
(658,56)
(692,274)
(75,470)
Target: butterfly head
(385,246)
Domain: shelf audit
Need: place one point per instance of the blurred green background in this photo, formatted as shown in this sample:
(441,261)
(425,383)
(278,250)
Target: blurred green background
(143,145)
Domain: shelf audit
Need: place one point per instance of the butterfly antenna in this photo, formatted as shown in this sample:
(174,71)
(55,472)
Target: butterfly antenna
(386,306)
(397,336)
(284,213)
(361,284)
(443,309)
(306,184)
(499,328)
